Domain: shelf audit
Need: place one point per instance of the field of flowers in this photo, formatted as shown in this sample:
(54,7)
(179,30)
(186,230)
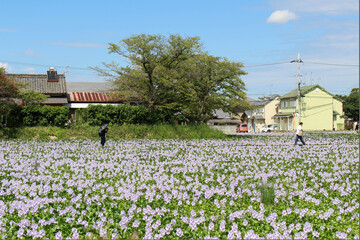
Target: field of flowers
(258,186)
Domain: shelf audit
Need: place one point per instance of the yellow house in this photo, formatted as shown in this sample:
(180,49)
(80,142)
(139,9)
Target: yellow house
(262,114)
(320,110)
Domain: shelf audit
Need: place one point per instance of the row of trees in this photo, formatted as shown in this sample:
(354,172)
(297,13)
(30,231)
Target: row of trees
(175,73)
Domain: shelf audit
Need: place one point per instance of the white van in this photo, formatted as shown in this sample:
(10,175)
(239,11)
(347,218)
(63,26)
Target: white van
(269,128)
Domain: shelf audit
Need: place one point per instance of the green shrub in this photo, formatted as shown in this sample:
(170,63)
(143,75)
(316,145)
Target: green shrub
(38,116)
(267,194)
(120,114)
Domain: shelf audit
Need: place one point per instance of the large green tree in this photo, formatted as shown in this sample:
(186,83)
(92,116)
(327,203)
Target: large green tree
(8,92)
(150,57)
(209,83)
(31,97)
(351,104)
(175,73)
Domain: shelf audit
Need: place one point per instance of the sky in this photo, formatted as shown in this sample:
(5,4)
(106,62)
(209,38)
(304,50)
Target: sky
(264,35)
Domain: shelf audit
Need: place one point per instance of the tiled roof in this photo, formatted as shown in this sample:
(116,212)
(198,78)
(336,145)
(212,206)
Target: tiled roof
(40,83)
(90,97)
(303,90)
(89,86)
(55,100)
(219,113)
(306,89)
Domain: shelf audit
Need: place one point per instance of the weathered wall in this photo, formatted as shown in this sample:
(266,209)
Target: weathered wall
(227,129)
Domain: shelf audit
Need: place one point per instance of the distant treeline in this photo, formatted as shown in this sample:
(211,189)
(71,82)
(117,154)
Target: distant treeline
(93,115)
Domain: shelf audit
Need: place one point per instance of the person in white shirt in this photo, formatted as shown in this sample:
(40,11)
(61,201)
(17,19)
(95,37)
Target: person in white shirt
(299,134)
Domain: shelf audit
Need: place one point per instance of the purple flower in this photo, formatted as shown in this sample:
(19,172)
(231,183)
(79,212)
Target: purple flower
(251,235)
(211,226)
(341,235)
(58,235)
(179,233)
(103,233)
(136,223)
(222,225)
(20,233)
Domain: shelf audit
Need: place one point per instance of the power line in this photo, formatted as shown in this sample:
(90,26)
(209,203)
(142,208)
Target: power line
(266,64)
(246,66)
(333,64)
(43,65)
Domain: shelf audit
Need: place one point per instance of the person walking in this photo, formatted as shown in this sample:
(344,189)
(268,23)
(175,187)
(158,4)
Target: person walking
(102,133)
(299,134)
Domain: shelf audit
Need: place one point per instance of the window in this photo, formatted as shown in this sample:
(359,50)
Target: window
(293,103)
(261,110)
(284,104)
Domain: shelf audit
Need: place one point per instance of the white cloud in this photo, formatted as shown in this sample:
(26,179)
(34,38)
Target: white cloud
(329,7)
(7,67)
(29,70)
(7,30)
(76,44)
(281,16)
(31,52)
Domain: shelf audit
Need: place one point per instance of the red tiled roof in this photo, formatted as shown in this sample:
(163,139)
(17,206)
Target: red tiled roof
(91,97)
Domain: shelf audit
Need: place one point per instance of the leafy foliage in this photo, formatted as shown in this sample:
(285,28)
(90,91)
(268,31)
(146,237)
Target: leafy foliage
(120,114)
(32,115)
(31,97)
(175,73)
(8,91)
(351,104)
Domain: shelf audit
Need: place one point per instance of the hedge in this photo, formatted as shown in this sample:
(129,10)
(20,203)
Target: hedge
(38,116)
(93,115)
(120,114)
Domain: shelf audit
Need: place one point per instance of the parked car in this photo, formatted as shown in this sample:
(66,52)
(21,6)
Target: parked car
(242,128)
(269,128)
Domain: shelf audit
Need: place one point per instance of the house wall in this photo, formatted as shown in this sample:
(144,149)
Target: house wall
(270,111)
(339,123)
(227,129)
(317,111)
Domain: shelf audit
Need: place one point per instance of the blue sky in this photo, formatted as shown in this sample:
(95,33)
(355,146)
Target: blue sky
(35,35)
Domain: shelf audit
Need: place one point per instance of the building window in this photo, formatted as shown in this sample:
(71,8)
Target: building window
(293,103)
(284,104)
(261,110)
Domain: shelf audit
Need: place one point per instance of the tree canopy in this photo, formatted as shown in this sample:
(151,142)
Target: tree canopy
(8,91)
(351,104)
(176,74)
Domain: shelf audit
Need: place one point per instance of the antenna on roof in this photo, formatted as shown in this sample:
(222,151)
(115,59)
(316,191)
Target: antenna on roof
(66,69)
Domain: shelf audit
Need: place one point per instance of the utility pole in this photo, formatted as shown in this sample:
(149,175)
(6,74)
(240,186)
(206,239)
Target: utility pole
(298,60)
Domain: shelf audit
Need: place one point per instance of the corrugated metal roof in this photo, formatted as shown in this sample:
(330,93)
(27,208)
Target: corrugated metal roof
(40,83)
(91,97)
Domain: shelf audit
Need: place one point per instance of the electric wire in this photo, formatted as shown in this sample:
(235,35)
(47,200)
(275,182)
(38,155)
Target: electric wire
(44,65)
(245,66)
(334,64)
(265,64)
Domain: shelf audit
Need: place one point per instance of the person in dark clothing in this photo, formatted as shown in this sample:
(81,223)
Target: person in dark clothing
(103,136)
(299,134)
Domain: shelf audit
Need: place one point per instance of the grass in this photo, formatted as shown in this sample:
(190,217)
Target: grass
(267,194)
(160,131)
